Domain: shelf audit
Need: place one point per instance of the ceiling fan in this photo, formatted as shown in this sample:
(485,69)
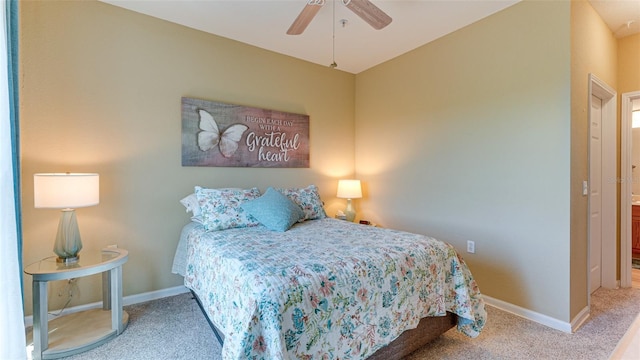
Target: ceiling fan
(370,13)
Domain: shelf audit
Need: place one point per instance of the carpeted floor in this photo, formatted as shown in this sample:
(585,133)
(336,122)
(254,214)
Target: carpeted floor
(169,328)
(507,336)
(174,328)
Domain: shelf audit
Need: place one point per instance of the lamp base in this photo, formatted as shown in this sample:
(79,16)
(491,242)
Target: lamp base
(68,243)
(349,212)
(69,260)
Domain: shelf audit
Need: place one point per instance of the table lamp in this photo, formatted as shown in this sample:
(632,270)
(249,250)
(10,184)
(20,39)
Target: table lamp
(66,191)
(349,189)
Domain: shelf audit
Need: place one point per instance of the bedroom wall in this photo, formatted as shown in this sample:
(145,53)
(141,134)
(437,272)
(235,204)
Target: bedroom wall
(629,64)
(469,138)
(593,50)
(100,92)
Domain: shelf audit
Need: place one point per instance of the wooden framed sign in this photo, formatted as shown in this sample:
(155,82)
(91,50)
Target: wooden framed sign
(226,135)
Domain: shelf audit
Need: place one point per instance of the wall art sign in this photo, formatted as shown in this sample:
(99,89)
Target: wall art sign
(226,135)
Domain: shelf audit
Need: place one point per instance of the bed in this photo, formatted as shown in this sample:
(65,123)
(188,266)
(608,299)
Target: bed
(325,288)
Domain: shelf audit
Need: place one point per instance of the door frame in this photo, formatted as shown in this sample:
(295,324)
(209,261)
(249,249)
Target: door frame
(607,94)
(626,188)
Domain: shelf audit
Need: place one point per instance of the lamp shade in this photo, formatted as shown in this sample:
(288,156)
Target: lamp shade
(66,190)
(349,189)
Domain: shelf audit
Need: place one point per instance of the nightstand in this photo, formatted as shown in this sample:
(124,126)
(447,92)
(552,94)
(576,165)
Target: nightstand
(80,331)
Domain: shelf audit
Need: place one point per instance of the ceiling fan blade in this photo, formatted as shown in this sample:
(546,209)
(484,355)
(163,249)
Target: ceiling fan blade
(304,18)
(370,13)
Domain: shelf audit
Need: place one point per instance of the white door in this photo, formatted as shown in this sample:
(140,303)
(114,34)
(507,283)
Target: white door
(595,192)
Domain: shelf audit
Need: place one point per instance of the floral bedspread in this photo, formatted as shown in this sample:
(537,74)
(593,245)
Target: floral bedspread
(325,289)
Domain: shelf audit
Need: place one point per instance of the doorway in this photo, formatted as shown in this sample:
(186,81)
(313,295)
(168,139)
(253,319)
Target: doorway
(602,258)
(629,102)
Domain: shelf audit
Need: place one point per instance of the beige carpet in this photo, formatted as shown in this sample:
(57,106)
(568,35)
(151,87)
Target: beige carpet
(507,336)
(174,328)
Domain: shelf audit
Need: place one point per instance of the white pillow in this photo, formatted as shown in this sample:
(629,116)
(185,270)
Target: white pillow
(191,205)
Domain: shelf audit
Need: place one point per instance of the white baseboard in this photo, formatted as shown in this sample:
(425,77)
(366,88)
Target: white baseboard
(126,300)
(530,315)
(580,318)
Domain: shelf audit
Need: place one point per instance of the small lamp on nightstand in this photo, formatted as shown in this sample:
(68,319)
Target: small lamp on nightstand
(349,189)
(66,191)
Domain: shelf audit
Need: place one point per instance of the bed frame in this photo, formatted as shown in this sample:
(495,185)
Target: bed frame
(429,328)
(409,341)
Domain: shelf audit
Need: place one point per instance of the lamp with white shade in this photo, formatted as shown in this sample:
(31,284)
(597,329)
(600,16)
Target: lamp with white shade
(66,191)
(349,189)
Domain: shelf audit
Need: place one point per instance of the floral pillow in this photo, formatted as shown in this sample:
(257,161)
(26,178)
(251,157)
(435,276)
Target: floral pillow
(221,208)
(308,199)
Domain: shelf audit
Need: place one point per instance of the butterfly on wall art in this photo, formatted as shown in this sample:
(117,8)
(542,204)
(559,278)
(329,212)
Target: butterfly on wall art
(228,135)
(210,135)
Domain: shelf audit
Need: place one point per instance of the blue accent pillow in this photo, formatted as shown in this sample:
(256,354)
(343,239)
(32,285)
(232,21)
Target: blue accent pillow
(274,210)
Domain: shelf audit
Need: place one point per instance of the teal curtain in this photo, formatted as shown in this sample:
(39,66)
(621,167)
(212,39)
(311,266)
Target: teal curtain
(12,335)
(12,63)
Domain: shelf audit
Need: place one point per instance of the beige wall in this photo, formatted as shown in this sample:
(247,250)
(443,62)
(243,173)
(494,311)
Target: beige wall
(101,90)
(593,50)
(629,64)
(468,138)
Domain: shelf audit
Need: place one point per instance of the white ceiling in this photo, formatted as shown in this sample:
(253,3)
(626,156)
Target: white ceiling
(622,16)
(263,23)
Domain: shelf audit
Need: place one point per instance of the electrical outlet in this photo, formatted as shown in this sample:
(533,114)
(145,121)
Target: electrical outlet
(471,247)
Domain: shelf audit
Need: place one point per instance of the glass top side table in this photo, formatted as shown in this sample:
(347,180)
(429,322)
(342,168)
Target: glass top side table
(81,331)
